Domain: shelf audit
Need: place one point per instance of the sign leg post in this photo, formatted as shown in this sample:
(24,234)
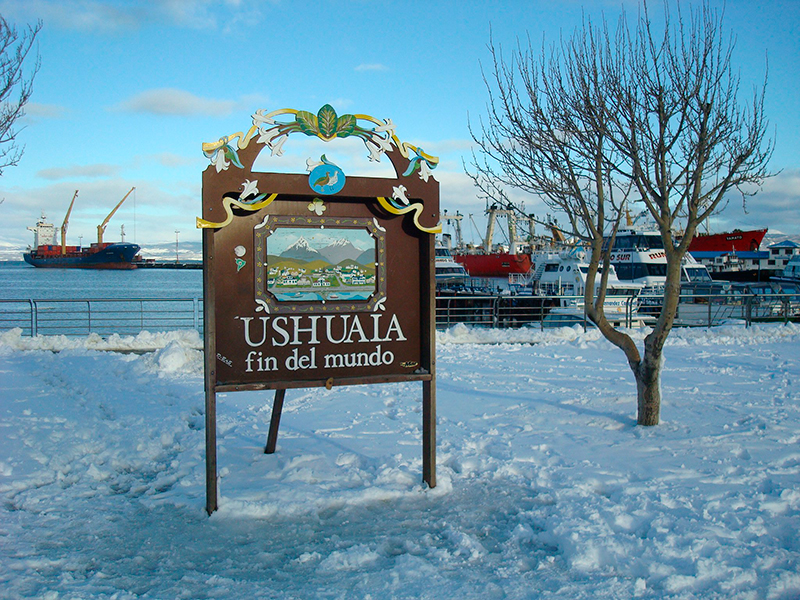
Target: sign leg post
(429,432)
(211,451)
(275,421)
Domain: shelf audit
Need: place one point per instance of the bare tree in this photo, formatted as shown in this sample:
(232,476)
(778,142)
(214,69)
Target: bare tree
(605,119)
(15,87)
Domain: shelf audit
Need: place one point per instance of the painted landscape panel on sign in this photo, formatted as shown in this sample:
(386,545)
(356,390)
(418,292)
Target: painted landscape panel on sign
(310,264)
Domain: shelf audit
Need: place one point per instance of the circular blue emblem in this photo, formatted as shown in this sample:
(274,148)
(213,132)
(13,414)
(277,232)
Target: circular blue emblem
(326,179)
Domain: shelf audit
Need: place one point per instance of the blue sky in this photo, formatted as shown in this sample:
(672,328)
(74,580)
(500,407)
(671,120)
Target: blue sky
(128,92)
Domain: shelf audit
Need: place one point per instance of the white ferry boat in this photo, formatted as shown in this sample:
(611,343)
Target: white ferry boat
(563,275)
(639,257)
(450,275)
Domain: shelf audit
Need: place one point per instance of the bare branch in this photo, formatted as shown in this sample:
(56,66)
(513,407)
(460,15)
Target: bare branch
(15,87)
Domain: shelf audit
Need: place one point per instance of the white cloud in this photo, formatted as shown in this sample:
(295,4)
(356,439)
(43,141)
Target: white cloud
(371,67)
(35,110)
(174,102)
(81,15)
(106,16)
(90,171)
(776,205)
(168,159)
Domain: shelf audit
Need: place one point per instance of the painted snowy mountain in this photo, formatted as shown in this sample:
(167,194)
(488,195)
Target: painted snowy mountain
(340,250)
(302,250)
(367,257)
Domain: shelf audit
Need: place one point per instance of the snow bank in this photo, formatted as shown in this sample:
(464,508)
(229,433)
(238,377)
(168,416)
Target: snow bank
(146,341)
(546,486)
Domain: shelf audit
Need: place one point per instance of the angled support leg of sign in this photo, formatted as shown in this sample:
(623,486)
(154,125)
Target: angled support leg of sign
(275,421)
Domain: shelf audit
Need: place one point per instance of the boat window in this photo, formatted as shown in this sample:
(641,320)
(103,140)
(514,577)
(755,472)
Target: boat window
(696,274)
(569,268)
(624,271)
(550,267)
(615,291)
(450,270)
(655,269)
(628,271)
(639,242)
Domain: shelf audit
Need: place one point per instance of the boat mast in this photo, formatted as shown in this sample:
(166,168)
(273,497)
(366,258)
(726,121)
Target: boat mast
(487,241)
(102,227)
(456,221)
(65,224)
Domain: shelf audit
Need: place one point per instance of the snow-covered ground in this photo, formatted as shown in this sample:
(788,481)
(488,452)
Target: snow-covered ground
(547,488)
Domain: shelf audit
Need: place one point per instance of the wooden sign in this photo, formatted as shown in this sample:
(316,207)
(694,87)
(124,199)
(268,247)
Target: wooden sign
(318,278)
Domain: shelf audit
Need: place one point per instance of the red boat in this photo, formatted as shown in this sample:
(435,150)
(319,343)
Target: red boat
(737,240)
(497,264)
(493,260)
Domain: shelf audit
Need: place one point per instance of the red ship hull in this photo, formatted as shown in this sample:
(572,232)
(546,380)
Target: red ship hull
(740,241)
(494,265)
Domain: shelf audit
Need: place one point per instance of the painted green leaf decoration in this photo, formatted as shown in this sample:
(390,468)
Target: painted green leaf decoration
(233,156)
(346,125)
(327,120)
(307,122)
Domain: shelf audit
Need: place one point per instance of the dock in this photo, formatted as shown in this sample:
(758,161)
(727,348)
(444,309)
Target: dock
(169,265)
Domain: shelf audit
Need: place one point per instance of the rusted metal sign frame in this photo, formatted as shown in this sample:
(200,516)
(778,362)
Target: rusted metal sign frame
(412,198)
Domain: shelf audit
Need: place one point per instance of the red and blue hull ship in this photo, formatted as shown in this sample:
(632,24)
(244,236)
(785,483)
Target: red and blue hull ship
(117,255)
(102,255)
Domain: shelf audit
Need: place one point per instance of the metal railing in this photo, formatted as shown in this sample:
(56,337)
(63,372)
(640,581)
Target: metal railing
(104,317)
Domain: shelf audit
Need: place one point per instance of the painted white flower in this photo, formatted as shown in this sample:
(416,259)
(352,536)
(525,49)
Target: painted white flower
(317,206)
(400,194)
(384,143)
(277,147)
(219,160)
(260,117)
(312,164)
(424,170)
(250,187)
(267,135)
(387,126)
(374,152)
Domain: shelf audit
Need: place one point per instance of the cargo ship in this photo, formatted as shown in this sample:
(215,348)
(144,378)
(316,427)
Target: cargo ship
(46,252)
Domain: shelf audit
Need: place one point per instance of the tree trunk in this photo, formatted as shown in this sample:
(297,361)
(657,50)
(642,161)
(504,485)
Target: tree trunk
(648,388)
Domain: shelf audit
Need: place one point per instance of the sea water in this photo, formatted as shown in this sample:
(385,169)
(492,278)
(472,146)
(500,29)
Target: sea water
(82,301)
(20,281)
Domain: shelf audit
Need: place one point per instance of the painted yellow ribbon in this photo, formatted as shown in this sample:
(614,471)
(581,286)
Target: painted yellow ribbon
(227,203)
(416,207)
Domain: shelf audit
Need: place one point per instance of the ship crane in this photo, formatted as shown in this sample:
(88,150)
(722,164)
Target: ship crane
(101,229)
(65,224)
(511,219)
